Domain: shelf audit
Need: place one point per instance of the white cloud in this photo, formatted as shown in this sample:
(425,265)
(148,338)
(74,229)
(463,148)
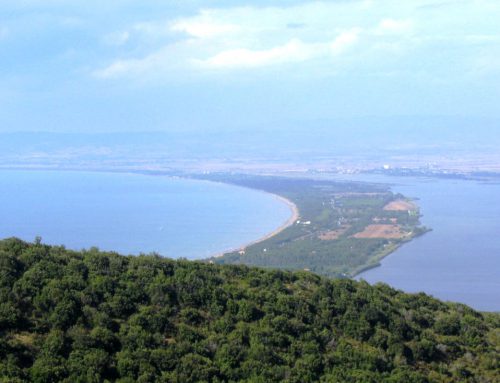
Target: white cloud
(203,27)
(152,30)
(120,68)
(240,37)
(117,68)
(392,26)
(165,60)
(293,51)
(305,34)
(345,40)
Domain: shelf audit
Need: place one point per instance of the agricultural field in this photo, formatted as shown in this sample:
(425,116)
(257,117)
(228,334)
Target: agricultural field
(400,205)
(382,231)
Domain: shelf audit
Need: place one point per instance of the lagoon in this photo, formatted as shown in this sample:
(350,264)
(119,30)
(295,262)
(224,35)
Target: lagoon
(459,260)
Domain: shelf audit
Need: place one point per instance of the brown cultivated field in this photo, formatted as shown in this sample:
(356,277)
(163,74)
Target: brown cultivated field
(399,205)
(381,231)
(333,234)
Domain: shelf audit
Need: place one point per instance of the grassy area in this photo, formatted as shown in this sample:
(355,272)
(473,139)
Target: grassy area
(343,229)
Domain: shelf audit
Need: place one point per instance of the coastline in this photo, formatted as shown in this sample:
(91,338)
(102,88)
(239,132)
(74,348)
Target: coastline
(293,218)
(360,273)
(377,259)
(295,214)
(294,210)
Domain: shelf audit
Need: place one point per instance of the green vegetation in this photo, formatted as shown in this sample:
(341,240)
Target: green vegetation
(329,239)
(90,316)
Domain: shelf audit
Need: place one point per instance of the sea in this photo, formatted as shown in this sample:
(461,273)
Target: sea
(133,213)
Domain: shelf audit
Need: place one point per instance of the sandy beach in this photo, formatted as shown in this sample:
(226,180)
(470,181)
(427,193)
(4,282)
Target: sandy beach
(293,218)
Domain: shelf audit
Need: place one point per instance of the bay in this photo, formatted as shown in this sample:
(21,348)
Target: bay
(133,213)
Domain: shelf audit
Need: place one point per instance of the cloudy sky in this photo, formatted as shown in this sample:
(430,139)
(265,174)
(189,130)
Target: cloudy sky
(111,66)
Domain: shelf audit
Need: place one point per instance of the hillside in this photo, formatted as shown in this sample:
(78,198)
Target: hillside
(91,316)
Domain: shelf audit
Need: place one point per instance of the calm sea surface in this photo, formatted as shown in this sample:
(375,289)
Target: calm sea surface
(460,259)
(132,213)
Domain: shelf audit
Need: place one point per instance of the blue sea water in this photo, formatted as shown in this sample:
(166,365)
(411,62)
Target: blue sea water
(133,213)
(459,260)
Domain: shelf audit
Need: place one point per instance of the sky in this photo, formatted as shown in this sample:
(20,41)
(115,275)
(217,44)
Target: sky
(87,66)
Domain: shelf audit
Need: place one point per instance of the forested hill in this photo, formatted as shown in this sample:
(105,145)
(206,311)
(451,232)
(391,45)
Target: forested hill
(91,317)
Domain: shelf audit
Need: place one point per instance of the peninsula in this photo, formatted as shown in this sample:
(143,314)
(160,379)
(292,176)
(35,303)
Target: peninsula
(340,229)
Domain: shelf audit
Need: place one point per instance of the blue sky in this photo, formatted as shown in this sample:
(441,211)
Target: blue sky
(111,66)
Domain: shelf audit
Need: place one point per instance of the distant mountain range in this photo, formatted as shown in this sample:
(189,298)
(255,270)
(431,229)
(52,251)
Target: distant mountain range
(352,137)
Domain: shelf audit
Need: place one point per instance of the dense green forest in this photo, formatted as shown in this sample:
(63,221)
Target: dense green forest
(90,316)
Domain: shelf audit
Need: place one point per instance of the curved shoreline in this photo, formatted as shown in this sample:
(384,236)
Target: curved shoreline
(289,222)
(292,206)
